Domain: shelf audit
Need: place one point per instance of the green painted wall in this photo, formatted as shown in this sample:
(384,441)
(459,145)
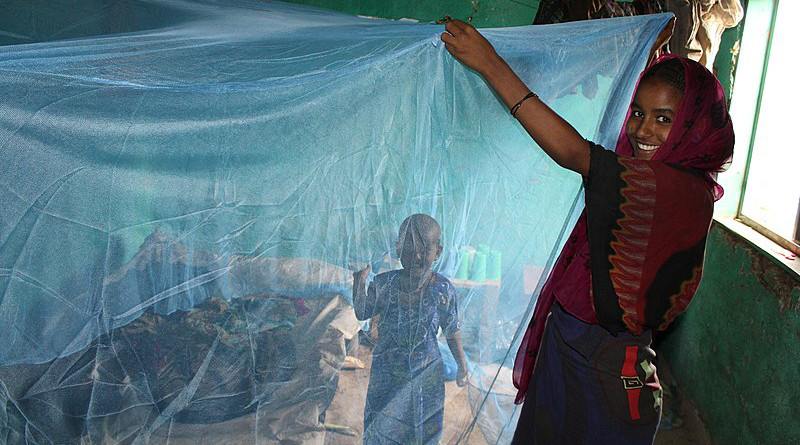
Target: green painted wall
(494,13)
(31,21)
(736,350)
(727,57)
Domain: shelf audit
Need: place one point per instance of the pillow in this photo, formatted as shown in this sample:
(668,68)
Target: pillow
(293,277)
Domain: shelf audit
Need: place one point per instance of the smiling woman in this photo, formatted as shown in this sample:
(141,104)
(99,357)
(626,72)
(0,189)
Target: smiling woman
(625,271)
(654,108)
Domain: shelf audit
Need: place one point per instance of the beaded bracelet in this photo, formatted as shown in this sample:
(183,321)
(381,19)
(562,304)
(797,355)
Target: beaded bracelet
(516,107)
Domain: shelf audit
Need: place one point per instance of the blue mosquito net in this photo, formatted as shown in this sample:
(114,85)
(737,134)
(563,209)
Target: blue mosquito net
(186,187)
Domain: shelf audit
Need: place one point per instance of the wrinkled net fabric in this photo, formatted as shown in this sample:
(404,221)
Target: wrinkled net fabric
(187,187)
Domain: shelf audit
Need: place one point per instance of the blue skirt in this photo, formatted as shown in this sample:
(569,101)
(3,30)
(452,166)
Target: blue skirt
(590,387)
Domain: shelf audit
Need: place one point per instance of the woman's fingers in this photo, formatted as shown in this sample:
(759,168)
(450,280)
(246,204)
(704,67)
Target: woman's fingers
(467,45)
(457,28)
(448,38)
(456,36)
(449,43)
(461,34)
(451,27)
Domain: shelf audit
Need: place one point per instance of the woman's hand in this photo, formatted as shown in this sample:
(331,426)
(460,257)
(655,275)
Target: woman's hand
(467,45)
(555,135)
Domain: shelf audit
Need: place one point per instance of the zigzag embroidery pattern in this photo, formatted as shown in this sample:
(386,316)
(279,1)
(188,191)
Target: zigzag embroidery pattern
(680,301)
(631,239)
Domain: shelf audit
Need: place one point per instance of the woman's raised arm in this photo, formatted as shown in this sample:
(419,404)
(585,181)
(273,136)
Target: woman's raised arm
(555,135)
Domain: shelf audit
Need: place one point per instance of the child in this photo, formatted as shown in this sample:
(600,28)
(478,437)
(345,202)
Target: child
(405,400)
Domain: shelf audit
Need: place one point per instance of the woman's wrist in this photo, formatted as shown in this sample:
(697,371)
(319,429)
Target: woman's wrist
(495,70)
(507,85)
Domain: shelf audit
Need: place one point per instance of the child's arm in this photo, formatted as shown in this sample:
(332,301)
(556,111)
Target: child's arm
(374,323)
(454,342)
(450,324)
(363,307)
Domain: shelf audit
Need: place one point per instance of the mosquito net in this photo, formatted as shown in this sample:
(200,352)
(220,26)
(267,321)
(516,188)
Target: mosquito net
(187,187)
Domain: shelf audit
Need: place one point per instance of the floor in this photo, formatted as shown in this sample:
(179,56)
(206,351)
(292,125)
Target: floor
(347,408)
(692,431)
(344,418)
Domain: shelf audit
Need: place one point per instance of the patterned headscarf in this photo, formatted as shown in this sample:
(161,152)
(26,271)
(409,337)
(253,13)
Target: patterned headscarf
(701,137)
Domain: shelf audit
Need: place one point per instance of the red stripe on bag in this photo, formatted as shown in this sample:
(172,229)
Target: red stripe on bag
(630,381)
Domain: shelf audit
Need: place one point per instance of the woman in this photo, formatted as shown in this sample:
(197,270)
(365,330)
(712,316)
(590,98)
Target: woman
(633,261)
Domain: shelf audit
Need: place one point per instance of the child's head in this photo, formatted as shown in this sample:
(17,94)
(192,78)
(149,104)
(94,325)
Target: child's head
(654,108)
(418,242)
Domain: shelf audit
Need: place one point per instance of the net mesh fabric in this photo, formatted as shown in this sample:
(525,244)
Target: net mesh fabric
(187,187)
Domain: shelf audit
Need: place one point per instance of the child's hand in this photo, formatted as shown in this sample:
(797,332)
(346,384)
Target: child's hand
(373,333)
(461,376)
(360,277)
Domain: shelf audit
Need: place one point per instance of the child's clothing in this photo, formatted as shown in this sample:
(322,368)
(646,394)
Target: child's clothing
(405,400)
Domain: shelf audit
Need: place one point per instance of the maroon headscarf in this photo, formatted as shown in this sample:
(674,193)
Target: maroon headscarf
(701,137)
(701,141)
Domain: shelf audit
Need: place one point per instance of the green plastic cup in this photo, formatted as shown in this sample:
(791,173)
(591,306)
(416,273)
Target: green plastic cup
(462,273)
(478,273)
(494,268)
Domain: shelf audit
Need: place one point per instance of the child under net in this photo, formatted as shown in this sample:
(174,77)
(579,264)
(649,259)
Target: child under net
(405,399)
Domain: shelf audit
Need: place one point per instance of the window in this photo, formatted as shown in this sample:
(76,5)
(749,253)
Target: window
(770,198)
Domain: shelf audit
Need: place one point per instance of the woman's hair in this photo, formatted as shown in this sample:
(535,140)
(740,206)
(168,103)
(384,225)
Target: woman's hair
(670,71)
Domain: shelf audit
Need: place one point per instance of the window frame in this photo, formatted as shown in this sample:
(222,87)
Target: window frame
(746,97)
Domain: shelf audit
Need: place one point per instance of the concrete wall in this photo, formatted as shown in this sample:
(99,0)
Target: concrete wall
(736,350)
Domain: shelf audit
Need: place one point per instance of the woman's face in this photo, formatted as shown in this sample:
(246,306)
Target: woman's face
(652,114)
